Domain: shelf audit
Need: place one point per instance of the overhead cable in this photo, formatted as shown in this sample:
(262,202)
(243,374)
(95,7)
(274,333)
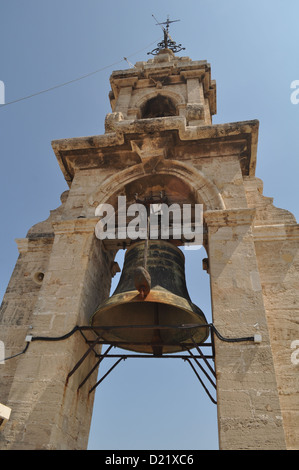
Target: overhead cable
(73,80)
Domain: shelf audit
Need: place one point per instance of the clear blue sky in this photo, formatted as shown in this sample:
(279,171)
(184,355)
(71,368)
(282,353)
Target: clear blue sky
(253,50)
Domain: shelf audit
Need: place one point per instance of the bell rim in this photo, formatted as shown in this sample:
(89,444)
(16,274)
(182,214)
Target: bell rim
(154,296)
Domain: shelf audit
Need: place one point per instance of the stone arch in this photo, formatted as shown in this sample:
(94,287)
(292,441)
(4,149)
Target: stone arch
(175,98)
(205,190)
(159,106)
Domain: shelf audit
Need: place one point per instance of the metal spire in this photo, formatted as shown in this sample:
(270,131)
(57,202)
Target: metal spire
(167,42)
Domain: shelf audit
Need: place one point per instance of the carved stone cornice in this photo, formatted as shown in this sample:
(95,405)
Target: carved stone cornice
(76,153)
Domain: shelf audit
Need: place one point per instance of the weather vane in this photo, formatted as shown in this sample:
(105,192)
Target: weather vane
(167,42)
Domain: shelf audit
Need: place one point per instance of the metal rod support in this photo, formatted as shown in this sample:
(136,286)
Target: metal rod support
(144,356)
(95,366)
(107,373)
(84,356)
(184,346)
(124,344)
(197,375)
(145,327)
(203,357)
(202,369)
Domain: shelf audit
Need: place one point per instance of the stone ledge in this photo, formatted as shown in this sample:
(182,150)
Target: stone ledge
(73,226)
(34,243)
(276,232)
(229,217)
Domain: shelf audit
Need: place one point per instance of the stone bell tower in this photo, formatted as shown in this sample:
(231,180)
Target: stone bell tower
(159,136)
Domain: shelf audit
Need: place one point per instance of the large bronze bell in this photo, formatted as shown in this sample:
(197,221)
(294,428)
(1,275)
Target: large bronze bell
(150,310)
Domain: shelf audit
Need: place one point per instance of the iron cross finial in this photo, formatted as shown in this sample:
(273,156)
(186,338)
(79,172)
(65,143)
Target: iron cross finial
(167,42)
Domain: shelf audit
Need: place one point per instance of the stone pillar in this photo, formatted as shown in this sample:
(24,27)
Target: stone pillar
(123,100)
(194,91)
(195,105)
(248,404)
(48,412)
(277,249)
(19,301)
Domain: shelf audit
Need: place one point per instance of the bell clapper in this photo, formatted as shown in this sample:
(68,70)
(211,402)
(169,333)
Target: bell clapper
(142,280)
